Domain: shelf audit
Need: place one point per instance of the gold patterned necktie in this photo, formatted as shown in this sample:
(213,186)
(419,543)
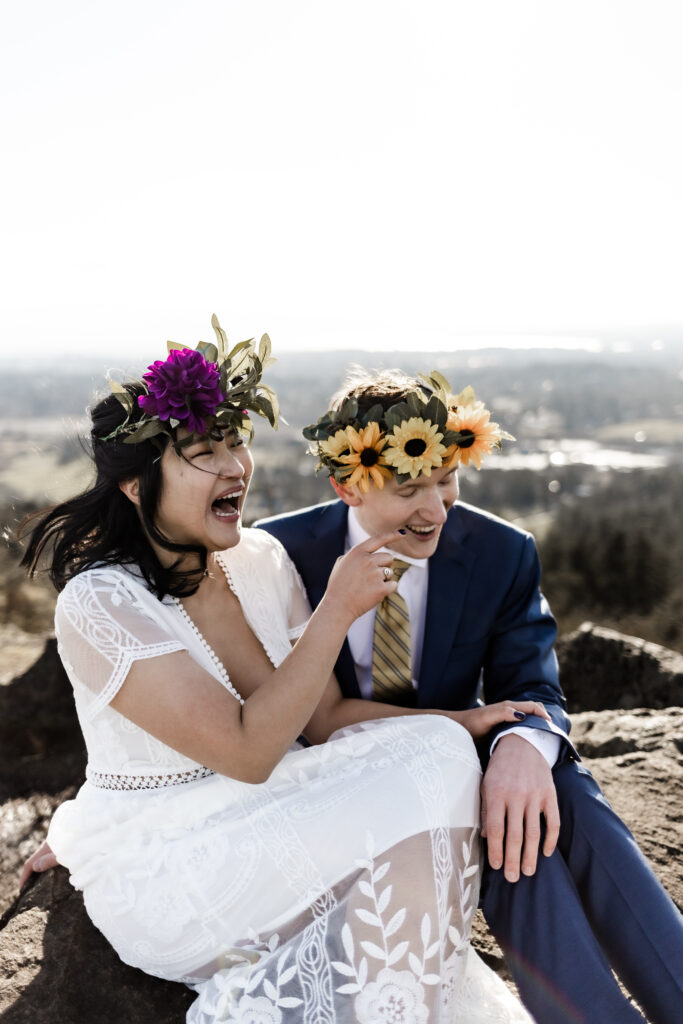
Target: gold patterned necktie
(392,672)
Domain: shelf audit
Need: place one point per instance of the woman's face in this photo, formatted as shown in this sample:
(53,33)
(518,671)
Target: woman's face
(203,491)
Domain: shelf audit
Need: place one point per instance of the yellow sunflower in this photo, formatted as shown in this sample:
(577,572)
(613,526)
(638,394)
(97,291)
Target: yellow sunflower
(480,435)
(414,447)
(336,446)
(365,460)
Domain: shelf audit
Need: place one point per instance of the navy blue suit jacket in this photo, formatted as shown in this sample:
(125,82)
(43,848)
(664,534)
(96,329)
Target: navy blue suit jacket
(486,617)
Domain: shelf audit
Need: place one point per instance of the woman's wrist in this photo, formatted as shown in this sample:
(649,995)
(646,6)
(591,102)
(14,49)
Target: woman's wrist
(334,616)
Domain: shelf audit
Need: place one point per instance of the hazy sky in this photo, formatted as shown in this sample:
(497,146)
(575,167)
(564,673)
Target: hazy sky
(367,173)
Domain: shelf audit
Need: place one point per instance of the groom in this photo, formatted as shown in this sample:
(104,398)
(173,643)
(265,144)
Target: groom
(566,892)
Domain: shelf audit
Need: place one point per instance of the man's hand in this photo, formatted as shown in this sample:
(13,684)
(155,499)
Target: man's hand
(517,788)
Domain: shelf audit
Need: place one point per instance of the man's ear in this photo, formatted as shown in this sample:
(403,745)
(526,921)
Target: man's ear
(349,495)
(131,489)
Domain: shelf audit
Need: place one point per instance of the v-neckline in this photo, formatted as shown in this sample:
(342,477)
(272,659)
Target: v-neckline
(244,607)
(223,672)
(220,667)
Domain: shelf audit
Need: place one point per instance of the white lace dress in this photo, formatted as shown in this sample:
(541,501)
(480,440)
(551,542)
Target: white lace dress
(340,890)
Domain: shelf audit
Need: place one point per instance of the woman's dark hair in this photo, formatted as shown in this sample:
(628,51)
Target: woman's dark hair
(101,525)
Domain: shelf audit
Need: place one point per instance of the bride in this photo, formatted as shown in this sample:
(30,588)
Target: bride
(285,884)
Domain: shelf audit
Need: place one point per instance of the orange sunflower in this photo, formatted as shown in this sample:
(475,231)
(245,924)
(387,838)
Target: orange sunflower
(479,435)
(365,460)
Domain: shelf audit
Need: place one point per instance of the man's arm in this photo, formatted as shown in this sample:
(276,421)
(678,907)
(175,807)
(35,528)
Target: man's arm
(520,661)
(518,786)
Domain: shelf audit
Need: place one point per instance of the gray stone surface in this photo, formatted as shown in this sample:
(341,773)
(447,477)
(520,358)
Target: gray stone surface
(41,747)
(56,968)
(602,669)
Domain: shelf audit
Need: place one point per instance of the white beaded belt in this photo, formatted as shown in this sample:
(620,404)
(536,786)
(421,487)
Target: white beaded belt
(106,780)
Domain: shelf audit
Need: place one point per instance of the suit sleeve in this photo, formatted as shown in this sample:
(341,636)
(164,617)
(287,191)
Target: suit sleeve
(520,662)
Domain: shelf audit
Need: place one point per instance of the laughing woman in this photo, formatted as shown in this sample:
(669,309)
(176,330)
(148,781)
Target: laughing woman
(333,883)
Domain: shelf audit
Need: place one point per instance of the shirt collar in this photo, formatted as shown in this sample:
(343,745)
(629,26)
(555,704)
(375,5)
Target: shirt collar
(356,534)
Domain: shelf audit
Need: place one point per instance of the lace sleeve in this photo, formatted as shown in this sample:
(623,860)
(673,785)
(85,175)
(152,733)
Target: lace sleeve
(105,620)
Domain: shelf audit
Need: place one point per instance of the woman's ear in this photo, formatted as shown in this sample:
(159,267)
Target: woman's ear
(349,495)
(131,489)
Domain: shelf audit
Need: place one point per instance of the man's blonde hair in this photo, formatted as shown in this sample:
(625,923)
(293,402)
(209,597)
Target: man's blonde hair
(378,387)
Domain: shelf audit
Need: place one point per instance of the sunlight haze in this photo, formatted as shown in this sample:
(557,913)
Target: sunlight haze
(369,175)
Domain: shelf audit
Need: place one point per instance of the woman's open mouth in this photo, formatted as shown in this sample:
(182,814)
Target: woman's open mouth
(227,506)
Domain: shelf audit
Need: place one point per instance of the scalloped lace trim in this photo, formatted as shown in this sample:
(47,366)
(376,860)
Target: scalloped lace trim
(107,780)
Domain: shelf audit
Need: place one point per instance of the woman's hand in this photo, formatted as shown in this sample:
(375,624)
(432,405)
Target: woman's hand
(358,580)
(42,860)
(480,721)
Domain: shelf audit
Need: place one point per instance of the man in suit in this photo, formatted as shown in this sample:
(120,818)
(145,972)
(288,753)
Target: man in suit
(566,891)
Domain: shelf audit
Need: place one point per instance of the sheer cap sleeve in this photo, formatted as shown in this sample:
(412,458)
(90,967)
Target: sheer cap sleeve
(105,620)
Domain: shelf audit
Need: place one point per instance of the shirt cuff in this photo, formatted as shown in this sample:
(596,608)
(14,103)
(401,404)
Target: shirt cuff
(545,742)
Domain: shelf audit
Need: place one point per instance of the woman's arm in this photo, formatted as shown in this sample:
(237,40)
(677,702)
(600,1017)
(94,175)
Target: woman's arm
(336,711)
(174,699)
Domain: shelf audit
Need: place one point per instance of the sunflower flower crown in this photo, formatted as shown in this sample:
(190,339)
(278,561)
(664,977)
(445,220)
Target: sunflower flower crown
(208,390)
(428,429)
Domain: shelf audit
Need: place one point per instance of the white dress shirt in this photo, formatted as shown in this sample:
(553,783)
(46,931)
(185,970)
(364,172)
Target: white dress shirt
(413,589)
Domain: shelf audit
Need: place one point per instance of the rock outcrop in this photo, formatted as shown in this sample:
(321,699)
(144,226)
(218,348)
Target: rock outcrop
(602,669)
(41,748)
(42,760)
(56,968)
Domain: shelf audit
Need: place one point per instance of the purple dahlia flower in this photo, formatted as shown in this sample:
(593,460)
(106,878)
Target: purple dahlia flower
(183,387)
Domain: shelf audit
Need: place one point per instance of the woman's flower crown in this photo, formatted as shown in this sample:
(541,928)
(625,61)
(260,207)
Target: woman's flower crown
(206,390)
(428,429)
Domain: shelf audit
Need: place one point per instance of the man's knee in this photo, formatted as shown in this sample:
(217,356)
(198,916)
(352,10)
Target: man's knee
(577,790)
(588,824)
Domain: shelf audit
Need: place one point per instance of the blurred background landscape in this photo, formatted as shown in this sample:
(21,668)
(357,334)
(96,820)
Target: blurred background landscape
(595,472)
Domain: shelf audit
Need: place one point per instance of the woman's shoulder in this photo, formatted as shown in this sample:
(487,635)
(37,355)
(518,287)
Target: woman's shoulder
(102,578)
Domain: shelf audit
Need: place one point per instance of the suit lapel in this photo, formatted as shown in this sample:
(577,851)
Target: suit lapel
(450,568)
(328,537)
(328,542)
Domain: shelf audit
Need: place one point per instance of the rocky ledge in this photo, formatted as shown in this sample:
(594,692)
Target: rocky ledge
(56,968)
(604,669)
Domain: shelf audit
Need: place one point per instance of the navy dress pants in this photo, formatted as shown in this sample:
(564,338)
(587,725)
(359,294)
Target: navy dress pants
(594,904)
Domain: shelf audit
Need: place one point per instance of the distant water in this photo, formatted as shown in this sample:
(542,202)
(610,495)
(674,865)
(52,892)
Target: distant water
(578,452)
(549,453)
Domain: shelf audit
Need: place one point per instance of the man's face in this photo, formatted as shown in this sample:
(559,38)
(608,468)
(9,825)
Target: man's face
(418,506)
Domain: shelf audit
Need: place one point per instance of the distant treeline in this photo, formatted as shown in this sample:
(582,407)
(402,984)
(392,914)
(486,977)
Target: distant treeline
(617,558)
(612,552)
(537,396)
